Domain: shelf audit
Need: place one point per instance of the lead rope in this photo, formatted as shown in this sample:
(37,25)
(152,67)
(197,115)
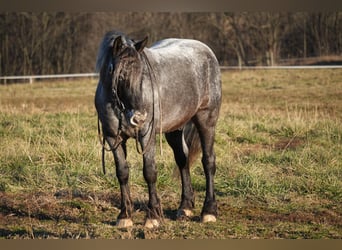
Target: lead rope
(103,156)
(140,150)
(149,67)
(160,125)
(103,144)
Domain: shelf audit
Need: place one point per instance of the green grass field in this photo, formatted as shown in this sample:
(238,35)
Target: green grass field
(279,163)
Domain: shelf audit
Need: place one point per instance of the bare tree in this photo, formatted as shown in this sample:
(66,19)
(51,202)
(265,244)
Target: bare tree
(57,42)
(324,31)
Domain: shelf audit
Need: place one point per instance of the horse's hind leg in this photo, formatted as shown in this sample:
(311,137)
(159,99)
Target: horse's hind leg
(205,122)
(180,150)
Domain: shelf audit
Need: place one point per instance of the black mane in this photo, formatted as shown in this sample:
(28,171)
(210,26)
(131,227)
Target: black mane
(106,45)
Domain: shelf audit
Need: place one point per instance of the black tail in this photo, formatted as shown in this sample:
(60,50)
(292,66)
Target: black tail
(192,141)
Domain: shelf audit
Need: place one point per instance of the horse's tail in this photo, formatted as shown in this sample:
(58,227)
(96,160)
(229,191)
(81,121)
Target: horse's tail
(192,141)
(191,145)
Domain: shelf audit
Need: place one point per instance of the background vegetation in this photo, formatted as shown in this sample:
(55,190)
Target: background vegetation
(279,163)
(58,42)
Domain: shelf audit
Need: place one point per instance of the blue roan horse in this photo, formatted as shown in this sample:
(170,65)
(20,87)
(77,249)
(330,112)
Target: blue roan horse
(173,87)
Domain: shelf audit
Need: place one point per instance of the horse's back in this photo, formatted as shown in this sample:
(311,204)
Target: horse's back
(185,58)
(188,76)
(182,49)
(187,61)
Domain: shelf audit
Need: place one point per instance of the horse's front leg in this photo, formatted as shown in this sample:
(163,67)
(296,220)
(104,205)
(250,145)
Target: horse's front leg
(154,211)
(122,173)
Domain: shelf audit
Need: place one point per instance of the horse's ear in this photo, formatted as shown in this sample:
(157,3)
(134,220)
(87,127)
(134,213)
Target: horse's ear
(117,44)
(140,45)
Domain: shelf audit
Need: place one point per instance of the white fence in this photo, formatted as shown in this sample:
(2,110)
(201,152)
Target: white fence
(5,79)
(281,67)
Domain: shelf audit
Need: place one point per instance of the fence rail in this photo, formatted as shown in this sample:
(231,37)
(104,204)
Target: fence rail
(282,67)
(31,78)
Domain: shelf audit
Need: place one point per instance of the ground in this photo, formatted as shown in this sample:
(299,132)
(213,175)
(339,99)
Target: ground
(278,148)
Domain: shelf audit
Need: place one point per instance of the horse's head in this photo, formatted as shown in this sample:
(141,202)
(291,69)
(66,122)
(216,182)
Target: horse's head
(121,73)
(127,62)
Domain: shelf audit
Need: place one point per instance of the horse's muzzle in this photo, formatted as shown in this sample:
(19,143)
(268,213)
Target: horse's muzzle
(136,118)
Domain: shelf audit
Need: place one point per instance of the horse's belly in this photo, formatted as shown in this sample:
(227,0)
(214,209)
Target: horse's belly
(177,118)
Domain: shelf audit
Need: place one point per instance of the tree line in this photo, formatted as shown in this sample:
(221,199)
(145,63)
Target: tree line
(59,42)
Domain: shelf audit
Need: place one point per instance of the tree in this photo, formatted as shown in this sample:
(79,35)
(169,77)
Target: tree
(58,42)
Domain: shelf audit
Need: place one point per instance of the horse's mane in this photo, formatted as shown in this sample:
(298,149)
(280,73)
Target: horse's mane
(105,46)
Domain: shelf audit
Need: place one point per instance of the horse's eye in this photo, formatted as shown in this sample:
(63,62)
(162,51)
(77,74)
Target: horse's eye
(110,69)
(123,55)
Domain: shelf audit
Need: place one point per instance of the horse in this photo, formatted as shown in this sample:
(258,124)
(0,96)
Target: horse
(172,87)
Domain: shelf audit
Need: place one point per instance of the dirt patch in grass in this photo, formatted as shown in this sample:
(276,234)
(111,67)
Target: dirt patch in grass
(289,143)
(265,215)
(280,145)
(75,214)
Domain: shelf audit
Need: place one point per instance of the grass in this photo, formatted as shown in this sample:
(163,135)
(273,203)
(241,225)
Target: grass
(279,163)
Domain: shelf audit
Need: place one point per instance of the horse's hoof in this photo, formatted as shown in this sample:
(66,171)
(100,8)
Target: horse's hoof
(208,218)
(183,213)
(151,223)
(123,223)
